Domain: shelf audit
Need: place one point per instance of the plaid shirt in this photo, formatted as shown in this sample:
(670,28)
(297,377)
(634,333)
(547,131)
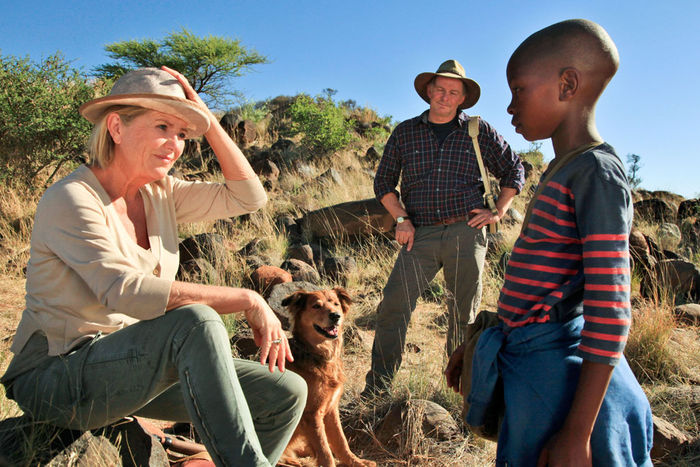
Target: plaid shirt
(440,182)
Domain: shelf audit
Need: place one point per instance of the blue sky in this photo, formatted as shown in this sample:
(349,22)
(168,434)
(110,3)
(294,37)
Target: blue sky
(371,51)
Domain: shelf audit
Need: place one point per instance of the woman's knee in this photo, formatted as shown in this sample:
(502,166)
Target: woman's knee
(295,389)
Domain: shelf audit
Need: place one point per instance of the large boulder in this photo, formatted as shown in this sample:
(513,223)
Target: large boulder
(668,439)
(354,218)
(301,271)
(264,277)
(689,208)
(655,210)
(678,276)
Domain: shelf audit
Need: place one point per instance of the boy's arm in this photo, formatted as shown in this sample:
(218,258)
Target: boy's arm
(571,445)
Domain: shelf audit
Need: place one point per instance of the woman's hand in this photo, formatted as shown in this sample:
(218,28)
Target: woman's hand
(268,333)
(190,92)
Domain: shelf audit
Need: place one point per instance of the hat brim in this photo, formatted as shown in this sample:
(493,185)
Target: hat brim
(197,120)
(473,88)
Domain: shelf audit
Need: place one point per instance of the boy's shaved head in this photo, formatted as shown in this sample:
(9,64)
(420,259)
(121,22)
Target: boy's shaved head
(577,43)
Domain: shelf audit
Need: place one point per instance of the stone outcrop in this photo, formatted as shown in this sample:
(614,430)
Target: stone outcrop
(352,219)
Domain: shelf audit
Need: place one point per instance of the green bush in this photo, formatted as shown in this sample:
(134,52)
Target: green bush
(321,122)
(41,127)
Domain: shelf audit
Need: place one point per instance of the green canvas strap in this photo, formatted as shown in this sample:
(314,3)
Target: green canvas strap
(489,201)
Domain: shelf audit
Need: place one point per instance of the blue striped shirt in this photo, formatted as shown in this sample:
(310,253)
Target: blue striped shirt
(573,256)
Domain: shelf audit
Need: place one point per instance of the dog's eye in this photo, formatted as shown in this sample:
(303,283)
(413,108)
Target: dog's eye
(317,305)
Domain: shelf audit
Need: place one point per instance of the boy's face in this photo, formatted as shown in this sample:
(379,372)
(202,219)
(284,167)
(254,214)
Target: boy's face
(535,105)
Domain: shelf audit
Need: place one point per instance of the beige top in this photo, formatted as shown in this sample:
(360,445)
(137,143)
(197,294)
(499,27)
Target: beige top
(85,274)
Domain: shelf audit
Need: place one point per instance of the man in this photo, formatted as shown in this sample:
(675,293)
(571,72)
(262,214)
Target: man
(440,214)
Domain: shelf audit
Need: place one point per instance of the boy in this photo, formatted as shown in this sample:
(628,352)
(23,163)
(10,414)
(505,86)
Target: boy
(564,310)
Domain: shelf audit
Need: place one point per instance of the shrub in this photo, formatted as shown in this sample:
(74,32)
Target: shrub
(41,127)
(321,123)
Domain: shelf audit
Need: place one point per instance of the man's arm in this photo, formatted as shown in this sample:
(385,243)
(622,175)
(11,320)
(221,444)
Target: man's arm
(405,230)
(571,446)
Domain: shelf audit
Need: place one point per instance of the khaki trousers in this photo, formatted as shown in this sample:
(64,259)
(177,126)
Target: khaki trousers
(459,250)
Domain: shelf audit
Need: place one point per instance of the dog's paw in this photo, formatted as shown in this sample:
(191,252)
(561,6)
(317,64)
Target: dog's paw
(362,463)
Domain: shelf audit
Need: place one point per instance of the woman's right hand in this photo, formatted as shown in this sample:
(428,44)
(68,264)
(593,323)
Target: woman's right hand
(268,333)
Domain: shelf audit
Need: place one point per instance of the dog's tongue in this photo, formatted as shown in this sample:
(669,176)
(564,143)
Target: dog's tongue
(332,330)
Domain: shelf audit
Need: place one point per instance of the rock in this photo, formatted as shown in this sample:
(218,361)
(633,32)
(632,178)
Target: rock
(288,225)
(301,271)
(415,418)
(690,234)
(669,234)
(88,451)
(305,170)
(302,253)
(264,277)
(527,167)
(281,291)
(251,248)
(639,248)
(678,276)
(496,243)
(207,246)
(514,216)
(667,439)
(266,168)
(22,225)
(354,218)
(338,267)
(372,156)
(655,210)
(282,145)
(688,313)
(246,132)
(331,175)
(137,447)
(689,208)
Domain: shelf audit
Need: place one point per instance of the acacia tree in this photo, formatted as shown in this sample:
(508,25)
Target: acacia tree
(40,127)
(209,62)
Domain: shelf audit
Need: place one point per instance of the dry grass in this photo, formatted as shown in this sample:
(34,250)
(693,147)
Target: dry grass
(663,355)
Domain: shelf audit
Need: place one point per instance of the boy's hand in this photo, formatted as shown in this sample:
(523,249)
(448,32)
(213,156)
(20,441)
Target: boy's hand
(453,372)
(566,449)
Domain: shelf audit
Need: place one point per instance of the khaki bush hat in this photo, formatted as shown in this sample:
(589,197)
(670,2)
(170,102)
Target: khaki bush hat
(154,89)
(449,69)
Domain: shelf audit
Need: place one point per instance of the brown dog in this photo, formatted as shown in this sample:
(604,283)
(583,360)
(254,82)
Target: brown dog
(317,346)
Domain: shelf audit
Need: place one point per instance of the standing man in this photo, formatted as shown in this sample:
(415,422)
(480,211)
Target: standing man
(440,213)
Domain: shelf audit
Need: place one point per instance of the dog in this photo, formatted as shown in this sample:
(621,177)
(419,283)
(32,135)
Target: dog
(316,320)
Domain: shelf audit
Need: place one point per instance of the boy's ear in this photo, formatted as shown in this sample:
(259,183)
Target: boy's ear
(569,80)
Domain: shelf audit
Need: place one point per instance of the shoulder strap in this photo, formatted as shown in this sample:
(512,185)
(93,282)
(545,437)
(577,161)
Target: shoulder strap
(552,169)
(473,127)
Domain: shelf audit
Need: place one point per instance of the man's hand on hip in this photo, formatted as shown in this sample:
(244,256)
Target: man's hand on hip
(482,217)
(404,234)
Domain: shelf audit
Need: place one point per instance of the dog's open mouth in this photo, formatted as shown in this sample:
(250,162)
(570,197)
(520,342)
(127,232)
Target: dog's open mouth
(331,332)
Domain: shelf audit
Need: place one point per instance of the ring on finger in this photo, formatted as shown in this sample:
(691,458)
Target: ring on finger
(276,341)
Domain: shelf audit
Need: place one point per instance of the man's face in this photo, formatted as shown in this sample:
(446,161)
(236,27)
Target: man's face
(446,94)
(535,104)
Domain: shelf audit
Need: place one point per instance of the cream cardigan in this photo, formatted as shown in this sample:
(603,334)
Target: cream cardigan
(86,275)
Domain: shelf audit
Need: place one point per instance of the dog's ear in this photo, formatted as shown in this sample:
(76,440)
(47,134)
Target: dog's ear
(296,301)
(344,298)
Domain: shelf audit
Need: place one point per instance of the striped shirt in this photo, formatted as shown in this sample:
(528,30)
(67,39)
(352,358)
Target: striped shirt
(573,257)
(440,181)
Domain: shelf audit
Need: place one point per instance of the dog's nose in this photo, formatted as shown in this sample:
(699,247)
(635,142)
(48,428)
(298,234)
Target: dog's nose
(334,317)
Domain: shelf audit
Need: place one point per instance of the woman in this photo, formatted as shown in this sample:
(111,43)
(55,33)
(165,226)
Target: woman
(107,330)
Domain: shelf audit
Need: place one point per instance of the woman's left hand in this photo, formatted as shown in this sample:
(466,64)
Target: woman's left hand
(268,333)
(190,93)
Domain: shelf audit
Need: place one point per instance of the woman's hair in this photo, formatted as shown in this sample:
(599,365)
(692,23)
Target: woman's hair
(101,145)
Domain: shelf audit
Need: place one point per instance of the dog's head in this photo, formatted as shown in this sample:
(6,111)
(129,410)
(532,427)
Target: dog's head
(318,316)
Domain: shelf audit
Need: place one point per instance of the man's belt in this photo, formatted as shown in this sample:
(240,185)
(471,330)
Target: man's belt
(453,220)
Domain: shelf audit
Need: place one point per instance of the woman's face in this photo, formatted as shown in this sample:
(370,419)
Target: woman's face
(149,145)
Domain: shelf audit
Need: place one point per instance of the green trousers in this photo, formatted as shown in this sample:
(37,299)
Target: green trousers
(457,249)
(176,367)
